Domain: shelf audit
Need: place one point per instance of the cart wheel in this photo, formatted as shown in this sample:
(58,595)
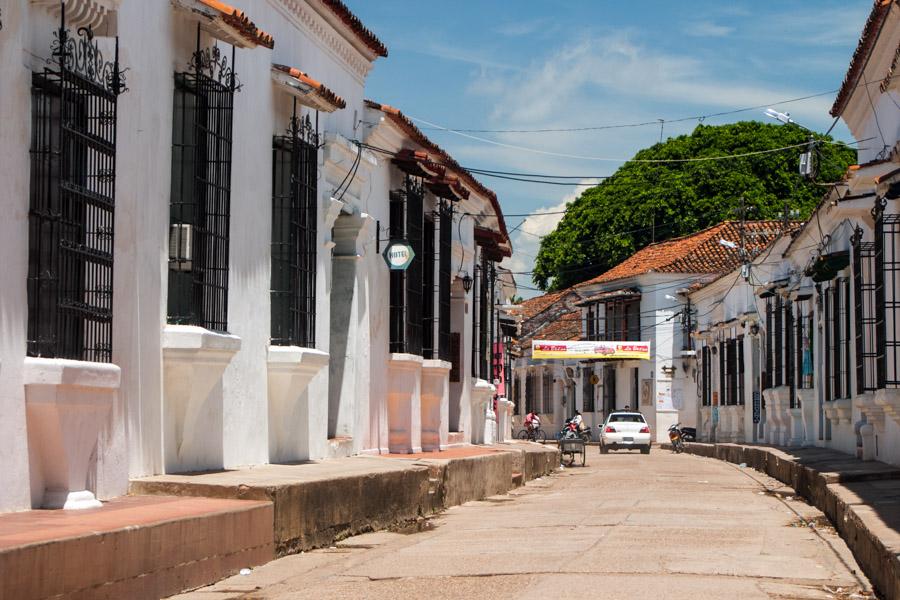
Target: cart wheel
(584,457)
(568,458)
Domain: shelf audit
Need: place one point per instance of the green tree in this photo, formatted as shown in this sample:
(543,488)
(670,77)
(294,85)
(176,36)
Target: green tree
(645,202)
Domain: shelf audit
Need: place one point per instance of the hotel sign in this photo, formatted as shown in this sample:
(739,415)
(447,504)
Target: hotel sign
(398,255)
(545,349)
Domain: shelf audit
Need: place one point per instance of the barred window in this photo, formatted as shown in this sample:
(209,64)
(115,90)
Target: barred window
(587,391)
(739,344)
(484,287)
(407,222)
(803,345)
(529,392)
(706,376)
(887,296)
(623,320)
(445,249)
(864,313)
(429,289)
(201,192)
(731,373)
(609,390)
(72,201)
(837,339)
(777,345)
(546,392)
(294,218)
(591,324)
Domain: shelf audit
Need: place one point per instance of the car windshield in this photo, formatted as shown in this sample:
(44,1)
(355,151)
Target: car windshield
(626,418)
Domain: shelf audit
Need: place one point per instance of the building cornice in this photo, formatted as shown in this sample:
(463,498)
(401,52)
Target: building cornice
(326,35)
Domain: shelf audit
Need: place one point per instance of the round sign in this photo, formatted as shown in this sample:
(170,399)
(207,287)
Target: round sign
(398,255)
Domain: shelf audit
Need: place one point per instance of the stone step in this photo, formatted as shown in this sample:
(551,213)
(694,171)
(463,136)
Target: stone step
(135,547)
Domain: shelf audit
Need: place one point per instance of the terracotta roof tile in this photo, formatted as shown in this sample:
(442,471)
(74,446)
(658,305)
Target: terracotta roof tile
(352,21)
(867,40)
(441,156)
(239,21)
(697,253)
(566,327)
(324,97)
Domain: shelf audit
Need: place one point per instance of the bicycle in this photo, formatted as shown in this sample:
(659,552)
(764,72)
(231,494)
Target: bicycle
(533,435)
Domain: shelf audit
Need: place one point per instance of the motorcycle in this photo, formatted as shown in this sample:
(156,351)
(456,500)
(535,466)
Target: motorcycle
(572,430)
(677,438)
(689,434)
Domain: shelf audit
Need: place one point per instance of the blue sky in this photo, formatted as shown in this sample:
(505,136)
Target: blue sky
(530,64)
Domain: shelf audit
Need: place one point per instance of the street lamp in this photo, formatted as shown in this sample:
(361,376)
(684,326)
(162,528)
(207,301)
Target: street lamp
(467,282)
(807,164)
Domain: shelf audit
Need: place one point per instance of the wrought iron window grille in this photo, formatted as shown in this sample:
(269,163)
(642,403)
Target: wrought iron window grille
(200,208)
(72,199)
(294,231)
(445,277)
(407,222)
(887,296)
(865,313)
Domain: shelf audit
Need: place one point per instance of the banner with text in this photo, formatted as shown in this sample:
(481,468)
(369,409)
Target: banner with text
(544,349)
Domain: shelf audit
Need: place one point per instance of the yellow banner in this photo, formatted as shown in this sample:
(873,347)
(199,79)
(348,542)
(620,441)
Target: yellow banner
(546,349)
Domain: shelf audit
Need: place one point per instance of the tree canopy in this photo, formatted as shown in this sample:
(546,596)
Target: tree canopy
(644,202)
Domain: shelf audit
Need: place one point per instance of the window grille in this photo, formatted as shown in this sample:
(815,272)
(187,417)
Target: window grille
(723,391)
(591,325)
(777,346)
(705,366)
(529,392)
(609,389)
(407,222)
(477,302)
(803,345)
(739,344)
(294,219)
(201,191)
(587,391)
(445,250)
(864,313)
(623,320)
(483,317)
(887,297)
(788,339)
(769,338)
(429,290)
(72,200)
(731,372)
(546,392)
(838,339)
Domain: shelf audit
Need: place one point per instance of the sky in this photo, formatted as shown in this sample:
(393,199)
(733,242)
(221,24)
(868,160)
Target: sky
(538,64)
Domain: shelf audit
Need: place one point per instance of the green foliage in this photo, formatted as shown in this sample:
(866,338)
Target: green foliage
(643,202)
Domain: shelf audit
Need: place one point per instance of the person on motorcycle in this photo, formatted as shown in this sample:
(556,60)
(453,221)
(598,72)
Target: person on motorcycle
(578,420)
(532,421)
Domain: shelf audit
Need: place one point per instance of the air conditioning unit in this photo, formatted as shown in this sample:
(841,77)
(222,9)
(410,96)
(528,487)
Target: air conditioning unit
(180,246)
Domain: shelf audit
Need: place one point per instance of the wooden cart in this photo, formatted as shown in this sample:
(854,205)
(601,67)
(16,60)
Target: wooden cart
(569,448)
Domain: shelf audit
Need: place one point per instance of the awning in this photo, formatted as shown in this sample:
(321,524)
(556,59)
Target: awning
(226,23)
(827,266)
(306,90)
(418,163)
(548,349)
(615,295)
(448,187)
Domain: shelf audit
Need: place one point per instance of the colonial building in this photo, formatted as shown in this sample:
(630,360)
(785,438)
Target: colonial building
(800,349)
(197,200)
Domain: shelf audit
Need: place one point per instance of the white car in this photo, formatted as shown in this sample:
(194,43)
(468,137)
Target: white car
(625,430)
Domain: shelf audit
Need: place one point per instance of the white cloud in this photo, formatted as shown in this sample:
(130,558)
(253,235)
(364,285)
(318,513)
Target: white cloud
(707,29)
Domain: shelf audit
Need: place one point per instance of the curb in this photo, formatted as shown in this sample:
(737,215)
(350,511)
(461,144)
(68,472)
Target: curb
(837,494)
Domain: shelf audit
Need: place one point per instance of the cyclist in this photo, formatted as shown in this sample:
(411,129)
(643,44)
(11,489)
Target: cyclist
(532,421)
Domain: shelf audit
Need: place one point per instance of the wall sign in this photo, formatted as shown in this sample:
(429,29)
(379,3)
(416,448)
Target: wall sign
(545,349)
(398,255)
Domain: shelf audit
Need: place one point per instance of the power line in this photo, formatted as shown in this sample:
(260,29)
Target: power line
(700,118)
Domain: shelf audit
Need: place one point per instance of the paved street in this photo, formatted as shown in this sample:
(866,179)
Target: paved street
(627,526)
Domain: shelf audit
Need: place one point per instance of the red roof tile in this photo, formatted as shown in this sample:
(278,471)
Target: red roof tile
(241,22)
(697,253)
(441,156)
(867,40)
(352,21)
(566,327)
(323,94)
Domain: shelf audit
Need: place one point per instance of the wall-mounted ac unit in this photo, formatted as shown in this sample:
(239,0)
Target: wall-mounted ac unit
(180,246)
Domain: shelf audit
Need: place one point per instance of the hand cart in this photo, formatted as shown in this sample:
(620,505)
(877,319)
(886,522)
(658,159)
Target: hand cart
(569,447)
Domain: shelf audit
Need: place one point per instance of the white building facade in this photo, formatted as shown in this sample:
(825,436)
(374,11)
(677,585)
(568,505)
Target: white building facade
(192,278)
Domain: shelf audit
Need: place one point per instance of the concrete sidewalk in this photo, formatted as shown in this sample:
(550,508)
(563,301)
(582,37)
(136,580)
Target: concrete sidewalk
(319,502)
(862,499)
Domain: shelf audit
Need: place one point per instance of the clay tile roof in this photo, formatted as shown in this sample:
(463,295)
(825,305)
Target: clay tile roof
(532,307)
(566,327)
(867,40)
(697,253)
(323,98)
(241,22)
(441,155)
(352,21)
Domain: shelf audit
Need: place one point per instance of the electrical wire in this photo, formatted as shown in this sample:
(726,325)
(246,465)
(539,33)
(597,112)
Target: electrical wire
(654,122)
